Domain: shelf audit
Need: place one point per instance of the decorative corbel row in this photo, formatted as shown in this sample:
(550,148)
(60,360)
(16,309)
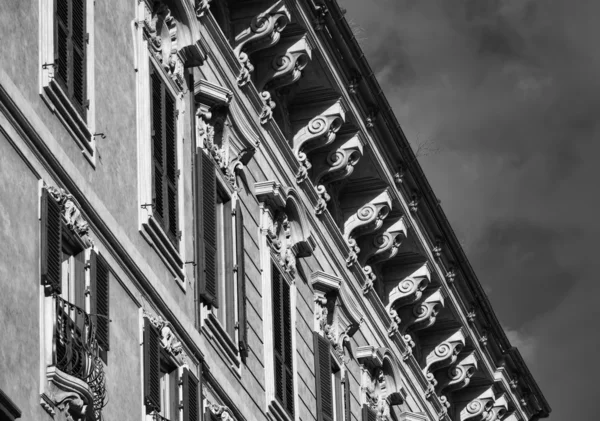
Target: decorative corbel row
(284,68)
(318,133)
(479,408)
(368,218)
(442,354)
(264,32)
(71,214)
(335,165)
(458,375)
(410,289)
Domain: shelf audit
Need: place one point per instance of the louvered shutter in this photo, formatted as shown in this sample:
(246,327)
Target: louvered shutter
(288,331)
(323,378)
(368,414)
(51,253)
(206,231)
(278,334)
(347,398)
(191,396)
(241,281)
(151,367)
(78,64)
(158,168)
(99,298)
(172,173)
(61,42)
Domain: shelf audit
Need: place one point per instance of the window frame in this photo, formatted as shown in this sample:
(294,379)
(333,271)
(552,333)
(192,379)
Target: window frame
(172,255)
(81,127)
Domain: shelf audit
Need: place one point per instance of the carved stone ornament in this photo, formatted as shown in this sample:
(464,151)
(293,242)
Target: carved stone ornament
(71,214)
(336,165)
(413,205)
(168,340)
(410,289)
(399,175)
(285,67)
(422,315)
(383,245)
(437,249)
(458,375)
(284,231)
(450,275)
(368,218)
(220,411)
(319,23)
(318,133)
(443,354)
(264,32)
(202,7)
(160,30)
(371,117)
(499,409)
(479,408)
(67,397)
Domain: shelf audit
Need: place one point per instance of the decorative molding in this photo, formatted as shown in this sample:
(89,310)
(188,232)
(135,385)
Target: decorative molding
(410,289)
(368,218)
(264,32)
(210,94)
(499,409)
(422,315)
(168,340)
(451,275)
(67,397)
(383,245)
(458,375)
(413,205)
(318,133)
(370,356)
(202,7)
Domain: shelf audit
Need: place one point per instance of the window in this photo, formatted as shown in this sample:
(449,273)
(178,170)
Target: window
(165,173)
(282,340)
(67,66)
(220,257)
(168,388)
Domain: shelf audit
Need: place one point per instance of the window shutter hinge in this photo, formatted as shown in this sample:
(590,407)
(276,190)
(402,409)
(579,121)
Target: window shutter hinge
(235,268)
(87,291)
(87,38)
(179,235)
(178,173)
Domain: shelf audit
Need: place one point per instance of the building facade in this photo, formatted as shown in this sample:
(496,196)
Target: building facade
(209,211)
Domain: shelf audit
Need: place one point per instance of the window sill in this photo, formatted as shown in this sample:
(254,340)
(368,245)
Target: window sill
(218,334)
(60,105)
(276,412)
(155,235)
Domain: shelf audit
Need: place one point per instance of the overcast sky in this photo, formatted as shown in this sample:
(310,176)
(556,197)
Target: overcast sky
(503,98)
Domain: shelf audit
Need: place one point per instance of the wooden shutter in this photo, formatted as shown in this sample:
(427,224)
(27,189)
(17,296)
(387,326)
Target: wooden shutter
(323,378)
(172,173)
(241,281)
(158,168)
(206,229)
(51,253)
(151,367)
(368,413)
(191,396)
(61,42)
(99,298)
(347,397)
(79,44)
(282,341)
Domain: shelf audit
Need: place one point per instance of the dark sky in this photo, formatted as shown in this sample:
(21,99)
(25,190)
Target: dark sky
(502,97)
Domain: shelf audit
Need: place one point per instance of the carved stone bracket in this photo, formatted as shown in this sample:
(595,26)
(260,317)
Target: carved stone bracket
(264,32)
(458,375)
(71,214)
(368,218)
(410,289)
(335,165)
(283,68)
(442,354)
(422,315)
(383,245)
(479,408)
(68,397)
(499,409)
(318,133)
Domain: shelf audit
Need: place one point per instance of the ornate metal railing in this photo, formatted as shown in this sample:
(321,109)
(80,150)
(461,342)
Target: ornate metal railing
(76,349)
